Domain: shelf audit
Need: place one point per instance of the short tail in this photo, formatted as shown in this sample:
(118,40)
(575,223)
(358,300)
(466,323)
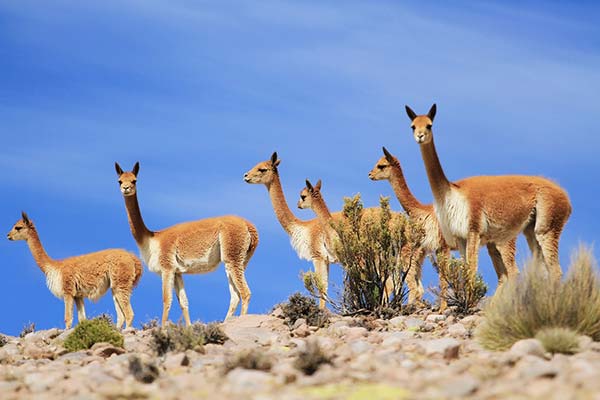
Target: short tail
(138,271)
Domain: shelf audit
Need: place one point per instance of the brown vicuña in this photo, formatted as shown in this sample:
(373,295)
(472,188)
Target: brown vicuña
(85,276)
(191,248)
(493,210)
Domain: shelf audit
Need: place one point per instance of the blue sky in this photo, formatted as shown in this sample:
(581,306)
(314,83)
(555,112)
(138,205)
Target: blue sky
(199,92)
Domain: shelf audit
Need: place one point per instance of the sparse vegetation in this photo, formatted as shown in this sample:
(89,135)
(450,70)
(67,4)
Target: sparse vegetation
(299,306)
(144,372)
(107,317)
(559,340)
(463,291)
(92,331)
(534,301)
(181,338)
(310,359)
(151,324)
(373,249)
(27,329)
(248,359)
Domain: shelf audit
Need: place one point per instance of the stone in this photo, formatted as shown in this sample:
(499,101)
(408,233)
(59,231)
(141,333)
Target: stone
(532,367)
(435,318)
(584,342)
(34,351)
(301,331)
(105,350)
(9,352)
(526,347)
(397,322)
(142,370)
(176,360)
(428,327)
(299,322)
(460,387)
(241,380)
(277,312)
(447,347)
(395,339)
(413,324)
(457,330)
(360,346)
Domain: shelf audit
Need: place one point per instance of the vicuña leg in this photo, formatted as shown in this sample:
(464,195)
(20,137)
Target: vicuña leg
(168,278)
(234,296)
(322,271)
(534,246)
(68,311)
(507,252)
(119,309)
(472,260)
(124,299)
(443,257)
(235,271)
(182,298)
(549,243)
(80,309)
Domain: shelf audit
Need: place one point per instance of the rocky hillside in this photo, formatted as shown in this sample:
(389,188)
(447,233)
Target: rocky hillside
(424,356)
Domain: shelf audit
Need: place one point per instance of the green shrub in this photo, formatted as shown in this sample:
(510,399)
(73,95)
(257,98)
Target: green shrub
(299,306)
(373,249)
(310,359)
(559,340)
(181,338)
(463,292)
(89,332)
(534,300)
(248,359)
(27,329)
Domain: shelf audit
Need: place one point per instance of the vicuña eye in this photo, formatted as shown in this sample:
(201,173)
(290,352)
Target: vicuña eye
(429,127)
(412,127)
(120,182)
(18,228)
(134,181)
(262,170)
(381,166)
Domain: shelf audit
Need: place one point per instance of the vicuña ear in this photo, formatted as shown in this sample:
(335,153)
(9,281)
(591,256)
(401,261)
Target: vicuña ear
(432,111)
(118,169)
(318,185)
(411,114)
(388,155)
(25,217)
(274,160)
(309,186)
(136,168)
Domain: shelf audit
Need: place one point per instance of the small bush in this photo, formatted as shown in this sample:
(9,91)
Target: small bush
(299,306)
(27,329)
(249,359)
(310,359)
(151,324)
(89,332)
(534,301)
(376,251)
(3,340)
(181,338)
(144,372)
(463,292)
(559,340)
(106,317)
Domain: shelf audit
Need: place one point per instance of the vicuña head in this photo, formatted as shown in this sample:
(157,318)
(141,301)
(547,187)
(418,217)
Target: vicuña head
(21,229)
(308,194)
(127,180)
(383,169)
(263,172)
(421,124)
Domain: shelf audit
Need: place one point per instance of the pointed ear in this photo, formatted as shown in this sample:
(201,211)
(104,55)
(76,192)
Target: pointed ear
(411,114)
(432,111)
(136,168)
(25,217)
(309,186)
(318,185)
(388,155)
(118,169)
(274,160)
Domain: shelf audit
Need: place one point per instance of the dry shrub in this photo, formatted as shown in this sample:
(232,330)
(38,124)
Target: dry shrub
(181,338)
(299,306)
(534,301)
(559,340)
(151,324)
(248,359)
(310,359)
(30,327)
(463,291)
(370,249)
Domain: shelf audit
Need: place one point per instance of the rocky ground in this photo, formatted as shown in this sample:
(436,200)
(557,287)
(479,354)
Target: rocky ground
(424,356)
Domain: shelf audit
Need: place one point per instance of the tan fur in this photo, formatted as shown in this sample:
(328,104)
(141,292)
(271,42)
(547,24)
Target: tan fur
(492,210)
(192,247)
(84,276)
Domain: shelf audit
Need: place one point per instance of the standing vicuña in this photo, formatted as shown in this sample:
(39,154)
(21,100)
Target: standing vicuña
(191,248)
(493,210)
(86,276)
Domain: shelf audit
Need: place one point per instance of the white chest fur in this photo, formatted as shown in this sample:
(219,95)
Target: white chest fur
(300,240)
(54,282)
(453,216)
(150,252)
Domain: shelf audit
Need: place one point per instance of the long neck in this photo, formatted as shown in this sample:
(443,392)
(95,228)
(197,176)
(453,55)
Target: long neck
(284,215)
(437,179)
(136,223)
(403,193)
(37,250)
(321,209)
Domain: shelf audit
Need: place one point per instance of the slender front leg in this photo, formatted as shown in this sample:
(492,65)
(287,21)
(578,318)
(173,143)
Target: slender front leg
(119,309)
(322,270)
(167,292)
(68,311)
(182,298)
(80,309)
(473,241)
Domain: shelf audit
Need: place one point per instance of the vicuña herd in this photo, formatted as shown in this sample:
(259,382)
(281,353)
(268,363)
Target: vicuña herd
(465,214)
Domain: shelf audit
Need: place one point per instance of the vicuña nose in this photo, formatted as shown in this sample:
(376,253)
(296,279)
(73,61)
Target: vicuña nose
(245,175)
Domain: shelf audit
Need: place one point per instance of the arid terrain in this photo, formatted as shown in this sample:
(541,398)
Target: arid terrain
(423,356)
